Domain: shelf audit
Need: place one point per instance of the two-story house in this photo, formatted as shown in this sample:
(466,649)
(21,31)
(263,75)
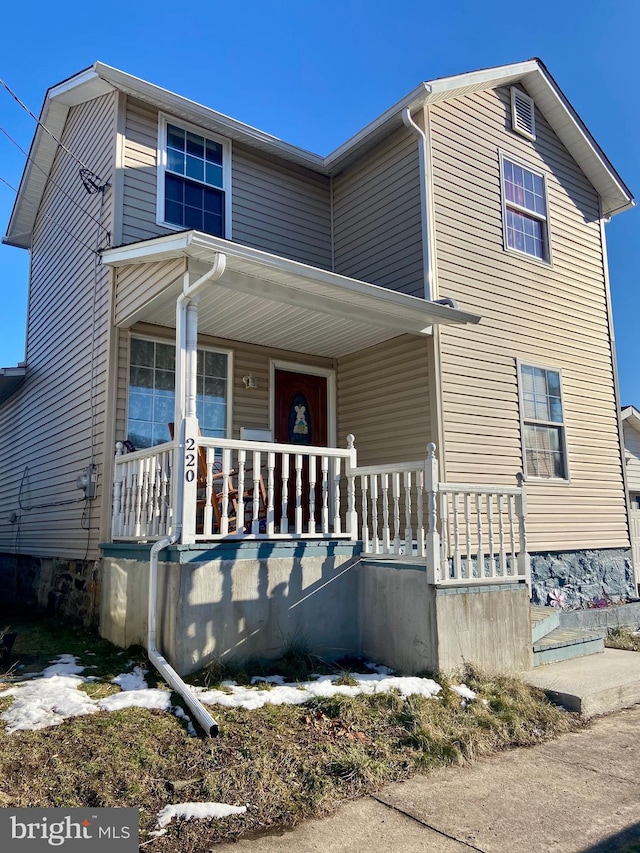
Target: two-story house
(214,314)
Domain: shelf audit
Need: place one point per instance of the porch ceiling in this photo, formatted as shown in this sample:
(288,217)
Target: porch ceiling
(273,301)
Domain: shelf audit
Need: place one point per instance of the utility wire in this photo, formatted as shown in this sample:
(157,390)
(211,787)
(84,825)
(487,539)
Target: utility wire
(46,130)
(46,216)
(62,190)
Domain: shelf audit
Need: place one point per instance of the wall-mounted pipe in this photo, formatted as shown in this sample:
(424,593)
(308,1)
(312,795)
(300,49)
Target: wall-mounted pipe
(427,253)
(204,718)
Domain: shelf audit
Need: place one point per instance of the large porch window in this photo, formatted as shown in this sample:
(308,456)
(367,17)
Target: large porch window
(152,392)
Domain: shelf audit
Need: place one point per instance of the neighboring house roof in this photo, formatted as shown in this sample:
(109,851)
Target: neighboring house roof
(100,79)
(11,378)
(631,415)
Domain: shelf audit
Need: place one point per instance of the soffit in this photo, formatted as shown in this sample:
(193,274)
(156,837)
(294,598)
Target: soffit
(272,301)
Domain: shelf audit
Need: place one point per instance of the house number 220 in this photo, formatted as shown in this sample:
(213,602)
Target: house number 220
(190,461)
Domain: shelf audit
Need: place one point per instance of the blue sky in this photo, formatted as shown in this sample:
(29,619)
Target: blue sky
(315,73)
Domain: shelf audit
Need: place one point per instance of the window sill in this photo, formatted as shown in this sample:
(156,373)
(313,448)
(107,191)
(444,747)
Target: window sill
(518,254)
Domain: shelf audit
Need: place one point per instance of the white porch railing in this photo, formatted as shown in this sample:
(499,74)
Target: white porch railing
(261,490)
(257,489)
(142,492)
(465,532)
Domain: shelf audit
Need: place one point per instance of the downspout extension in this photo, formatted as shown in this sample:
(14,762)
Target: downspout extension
(204,718)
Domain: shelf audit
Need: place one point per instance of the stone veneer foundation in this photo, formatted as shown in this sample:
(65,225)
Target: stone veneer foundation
(583,576)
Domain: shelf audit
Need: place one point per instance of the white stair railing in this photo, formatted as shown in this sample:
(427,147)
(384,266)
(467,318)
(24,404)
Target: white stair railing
(465,532)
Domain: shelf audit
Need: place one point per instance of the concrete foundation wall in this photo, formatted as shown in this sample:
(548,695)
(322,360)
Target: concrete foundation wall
(488,626)
(410,625)
(235,609)
(398,617)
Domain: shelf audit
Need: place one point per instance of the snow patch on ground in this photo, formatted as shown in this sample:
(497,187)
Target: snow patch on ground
(464,691)
(190,811)
(54,696)
(135,680)
(250,698)
(46,702)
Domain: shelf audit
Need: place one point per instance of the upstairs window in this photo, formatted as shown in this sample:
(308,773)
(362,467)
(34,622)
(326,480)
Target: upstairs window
(193,179)
(543,433)
(524,201)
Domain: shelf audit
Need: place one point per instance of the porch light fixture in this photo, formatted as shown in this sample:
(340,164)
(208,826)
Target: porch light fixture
(250,382)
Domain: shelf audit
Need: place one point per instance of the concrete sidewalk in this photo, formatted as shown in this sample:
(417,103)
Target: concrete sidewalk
(577,794)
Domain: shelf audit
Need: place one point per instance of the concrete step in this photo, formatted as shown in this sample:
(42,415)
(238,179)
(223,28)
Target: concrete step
(598,684)
(543,621)
(567,643)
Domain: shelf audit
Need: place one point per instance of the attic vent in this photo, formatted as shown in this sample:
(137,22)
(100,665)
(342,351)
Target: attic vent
(523,118)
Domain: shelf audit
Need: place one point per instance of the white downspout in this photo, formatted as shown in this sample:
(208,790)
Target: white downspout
(183,388)
(427,253)
(204,718)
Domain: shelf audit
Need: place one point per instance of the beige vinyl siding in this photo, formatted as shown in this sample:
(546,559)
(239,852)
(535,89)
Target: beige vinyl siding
(377,223)
(383,399)
(137,284)
(276,206)
(280,207)
(551,315)
(250,407)
(140,173)
(46,427)
(632,454)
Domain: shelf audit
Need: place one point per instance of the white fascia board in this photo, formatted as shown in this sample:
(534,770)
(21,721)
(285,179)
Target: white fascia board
(82,87)
(206,117)
(34,178)
(582,146)
(420,96)
(58,101)
(203,247)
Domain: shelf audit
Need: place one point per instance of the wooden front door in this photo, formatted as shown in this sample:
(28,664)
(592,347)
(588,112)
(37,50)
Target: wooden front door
(300,417)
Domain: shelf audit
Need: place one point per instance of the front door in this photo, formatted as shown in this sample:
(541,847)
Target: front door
(300,417)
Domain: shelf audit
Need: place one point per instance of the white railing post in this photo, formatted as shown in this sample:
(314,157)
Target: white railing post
(116,521)
(523,560)
(433,539)
(351,464)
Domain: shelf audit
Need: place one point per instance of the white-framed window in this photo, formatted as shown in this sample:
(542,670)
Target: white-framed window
(524,210)
(152,380)
(542,423)
(194,178)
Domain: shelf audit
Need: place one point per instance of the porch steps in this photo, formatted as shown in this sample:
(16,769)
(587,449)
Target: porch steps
(552,644)
(543,621)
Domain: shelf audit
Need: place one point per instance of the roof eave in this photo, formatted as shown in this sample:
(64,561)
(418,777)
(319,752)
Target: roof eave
(199,246)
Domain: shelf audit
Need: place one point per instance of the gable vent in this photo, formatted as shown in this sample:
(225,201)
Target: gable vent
(523,117)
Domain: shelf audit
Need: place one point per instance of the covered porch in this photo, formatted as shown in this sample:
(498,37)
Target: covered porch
(257,483)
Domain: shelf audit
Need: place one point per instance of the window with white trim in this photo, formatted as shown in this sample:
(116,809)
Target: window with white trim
(543,432)
(193,179)
(524,199)
(152,380)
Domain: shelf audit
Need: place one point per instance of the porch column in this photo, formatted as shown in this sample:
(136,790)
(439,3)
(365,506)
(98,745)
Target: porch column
(190,443)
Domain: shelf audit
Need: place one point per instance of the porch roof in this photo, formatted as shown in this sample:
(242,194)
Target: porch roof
(271,300)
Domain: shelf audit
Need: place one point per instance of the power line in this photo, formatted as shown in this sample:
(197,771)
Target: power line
(62,190)
(46,216)
(46,130)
